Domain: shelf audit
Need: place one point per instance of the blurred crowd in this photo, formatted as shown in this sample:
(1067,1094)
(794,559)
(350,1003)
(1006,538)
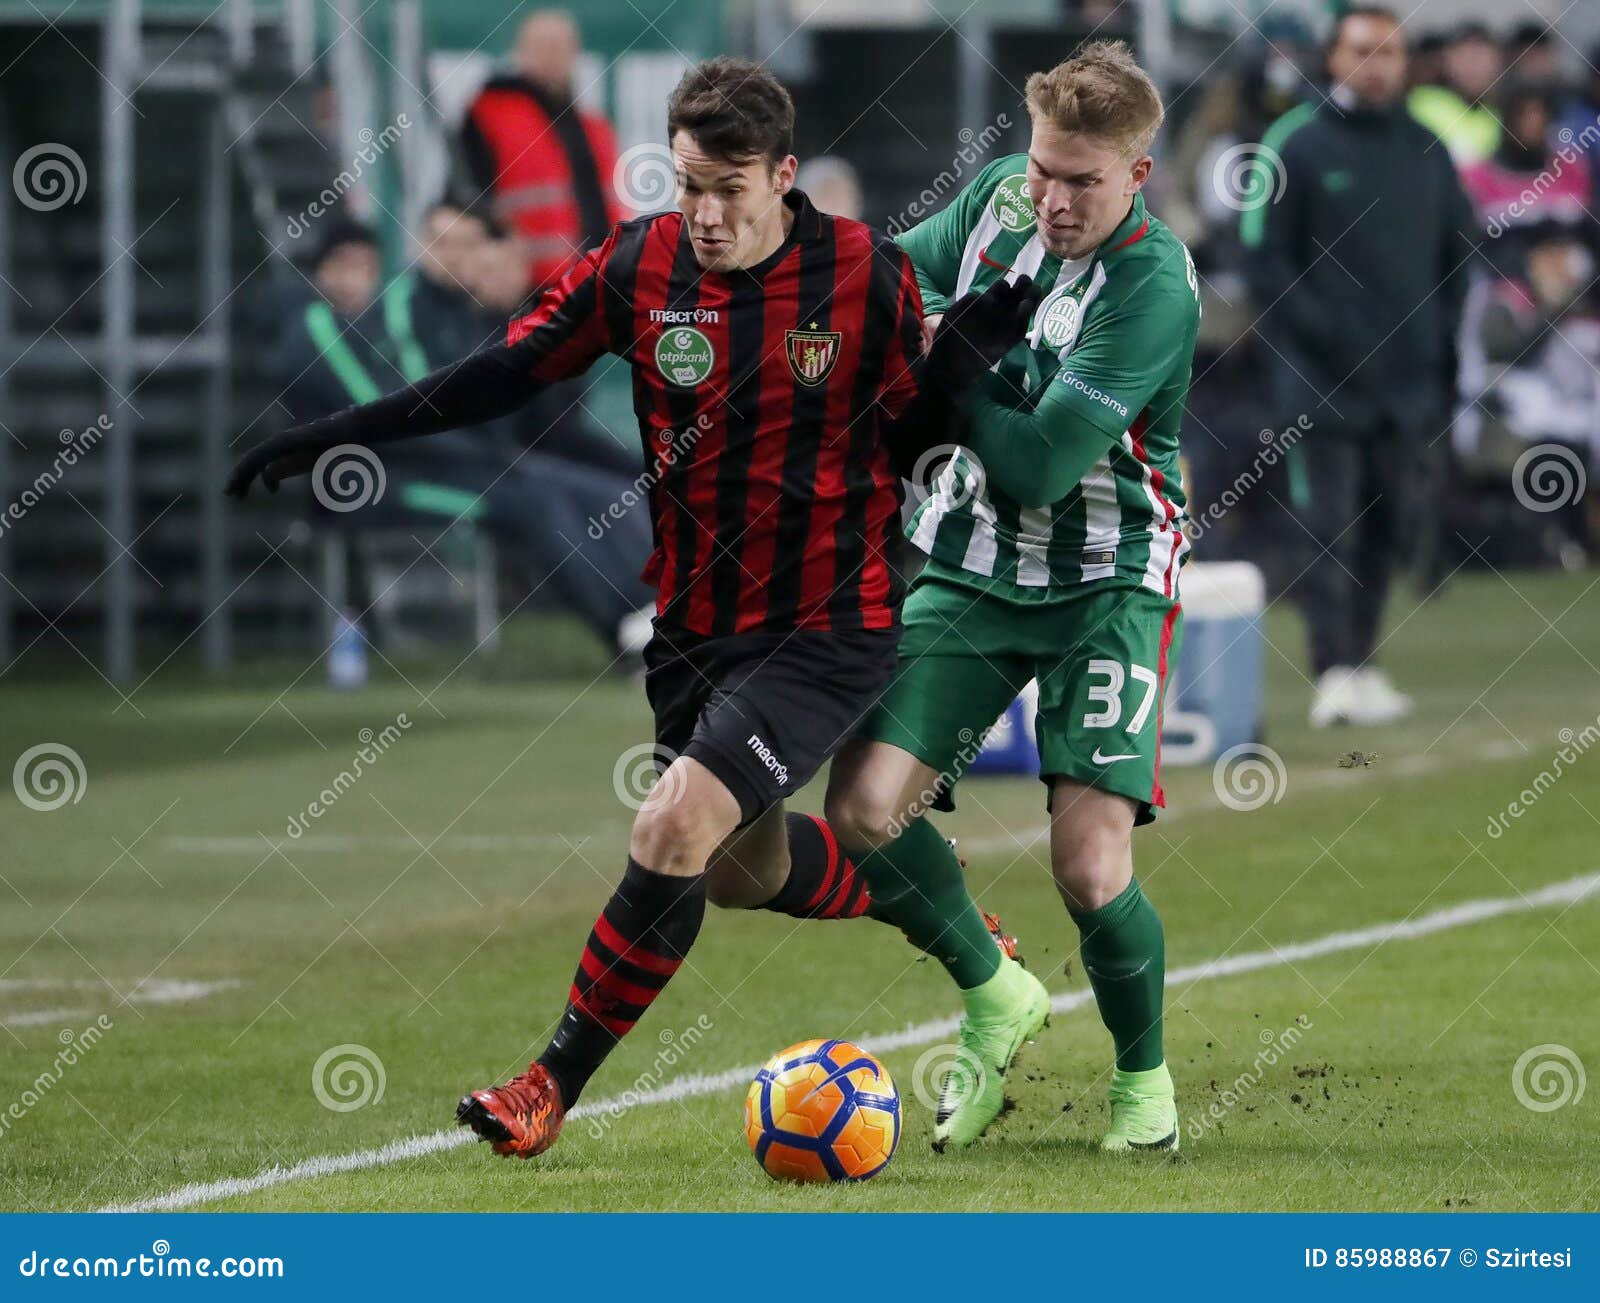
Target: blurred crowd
(1518,111)
(531,191)
(1416,316)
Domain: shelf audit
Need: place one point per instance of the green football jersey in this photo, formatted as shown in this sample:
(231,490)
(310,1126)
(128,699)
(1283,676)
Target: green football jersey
(1068,471)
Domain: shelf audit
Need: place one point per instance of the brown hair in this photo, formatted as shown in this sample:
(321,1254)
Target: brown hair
(735,109)
(1101,92)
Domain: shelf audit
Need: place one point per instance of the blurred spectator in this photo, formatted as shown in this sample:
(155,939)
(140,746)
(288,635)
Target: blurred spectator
(492,272)
(1540,342)
(1527,181)
(354,344)
(331,349)
(1531,55)
(1581,113)
(1531,371)
(832,185)
(556,421)
(1103,17)
(543,164)
(1456,111)
(1427,59)
(1236,107)
(1361,263)
(445,307)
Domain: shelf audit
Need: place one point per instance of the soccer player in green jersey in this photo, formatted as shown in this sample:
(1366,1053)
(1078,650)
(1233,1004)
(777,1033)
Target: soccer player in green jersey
(1054,537)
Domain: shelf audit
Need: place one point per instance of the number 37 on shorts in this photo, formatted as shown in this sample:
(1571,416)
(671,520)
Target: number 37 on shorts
(1100,715)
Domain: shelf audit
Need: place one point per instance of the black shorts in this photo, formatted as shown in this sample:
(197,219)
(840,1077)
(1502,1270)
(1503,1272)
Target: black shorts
(763,711)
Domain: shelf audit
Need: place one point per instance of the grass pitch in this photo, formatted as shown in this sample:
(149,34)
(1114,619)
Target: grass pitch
(433,913)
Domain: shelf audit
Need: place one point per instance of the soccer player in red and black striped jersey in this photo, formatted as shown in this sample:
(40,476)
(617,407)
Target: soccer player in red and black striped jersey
(780,388)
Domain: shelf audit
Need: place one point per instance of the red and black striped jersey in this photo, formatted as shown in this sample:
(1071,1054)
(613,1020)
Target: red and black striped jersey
(760,394)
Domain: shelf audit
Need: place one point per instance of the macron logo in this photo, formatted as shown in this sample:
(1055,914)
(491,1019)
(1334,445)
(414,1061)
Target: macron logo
(775,767)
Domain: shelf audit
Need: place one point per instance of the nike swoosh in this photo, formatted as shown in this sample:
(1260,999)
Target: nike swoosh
(1099,759)
(983,257)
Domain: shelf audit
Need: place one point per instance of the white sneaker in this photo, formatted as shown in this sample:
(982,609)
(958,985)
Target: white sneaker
(1335,702)
(1378,701)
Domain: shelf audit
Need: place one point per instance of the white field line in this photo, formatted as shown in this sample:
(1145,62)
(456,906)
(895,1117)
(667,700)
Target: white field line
(152,991)
(696,1085)
(1298,780)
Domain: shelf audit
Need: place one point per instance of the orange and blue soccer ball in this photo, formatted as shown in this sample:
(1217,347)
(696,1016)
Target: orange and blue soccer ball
(822,1111)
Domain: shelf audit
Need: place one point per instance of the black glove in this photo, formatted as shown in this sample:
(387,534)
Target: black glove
(294,452)
(479,388)
(977,331)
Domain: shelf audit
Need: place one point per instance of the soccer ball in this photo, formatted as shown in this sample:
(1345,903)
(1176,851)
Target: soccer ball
(822,1111)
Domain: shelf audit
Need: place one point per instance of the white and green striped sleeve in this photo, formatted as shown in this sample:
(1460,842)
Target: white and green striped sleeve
(936,245)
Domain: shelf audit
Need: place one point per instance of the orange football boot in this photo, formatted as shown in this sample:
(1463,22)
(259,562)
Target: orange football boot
(521,1118)
(1007,944)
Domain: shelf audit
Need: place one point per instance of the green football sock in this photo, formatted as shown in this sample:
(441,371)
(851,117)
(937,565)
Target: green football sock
(917,884)
(1125,955)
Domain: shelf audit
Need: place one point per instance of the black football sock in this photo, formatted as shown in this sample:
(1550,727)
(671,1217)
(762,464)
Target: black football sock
(637,944)
(822,882)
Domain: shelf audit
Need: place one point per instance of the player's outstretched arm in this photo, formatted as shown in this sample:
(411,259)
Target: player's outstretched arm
(976,332)
(479,388)
(560,338)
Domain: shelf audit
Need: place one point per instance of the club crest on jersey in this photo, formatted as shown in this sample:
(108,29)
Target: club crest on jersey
(684,356)
(1059,325)
(812,353)
(1010,203)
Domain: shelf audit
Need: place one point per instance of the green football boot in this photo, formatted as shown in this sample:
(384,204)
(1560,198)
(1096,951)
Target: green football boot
(1144,1111)
(1012,1007)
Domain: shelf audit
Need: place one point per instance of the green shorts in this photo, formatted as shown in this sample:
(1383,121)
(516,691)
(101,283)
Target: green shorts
(1100,653)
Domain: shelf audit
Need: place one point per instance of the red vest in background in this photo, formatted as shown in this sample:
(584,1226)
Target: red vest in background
(536,194)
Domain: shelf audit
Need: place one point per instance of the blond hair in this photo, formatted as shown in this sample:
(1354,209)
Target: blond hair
(1102,92)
